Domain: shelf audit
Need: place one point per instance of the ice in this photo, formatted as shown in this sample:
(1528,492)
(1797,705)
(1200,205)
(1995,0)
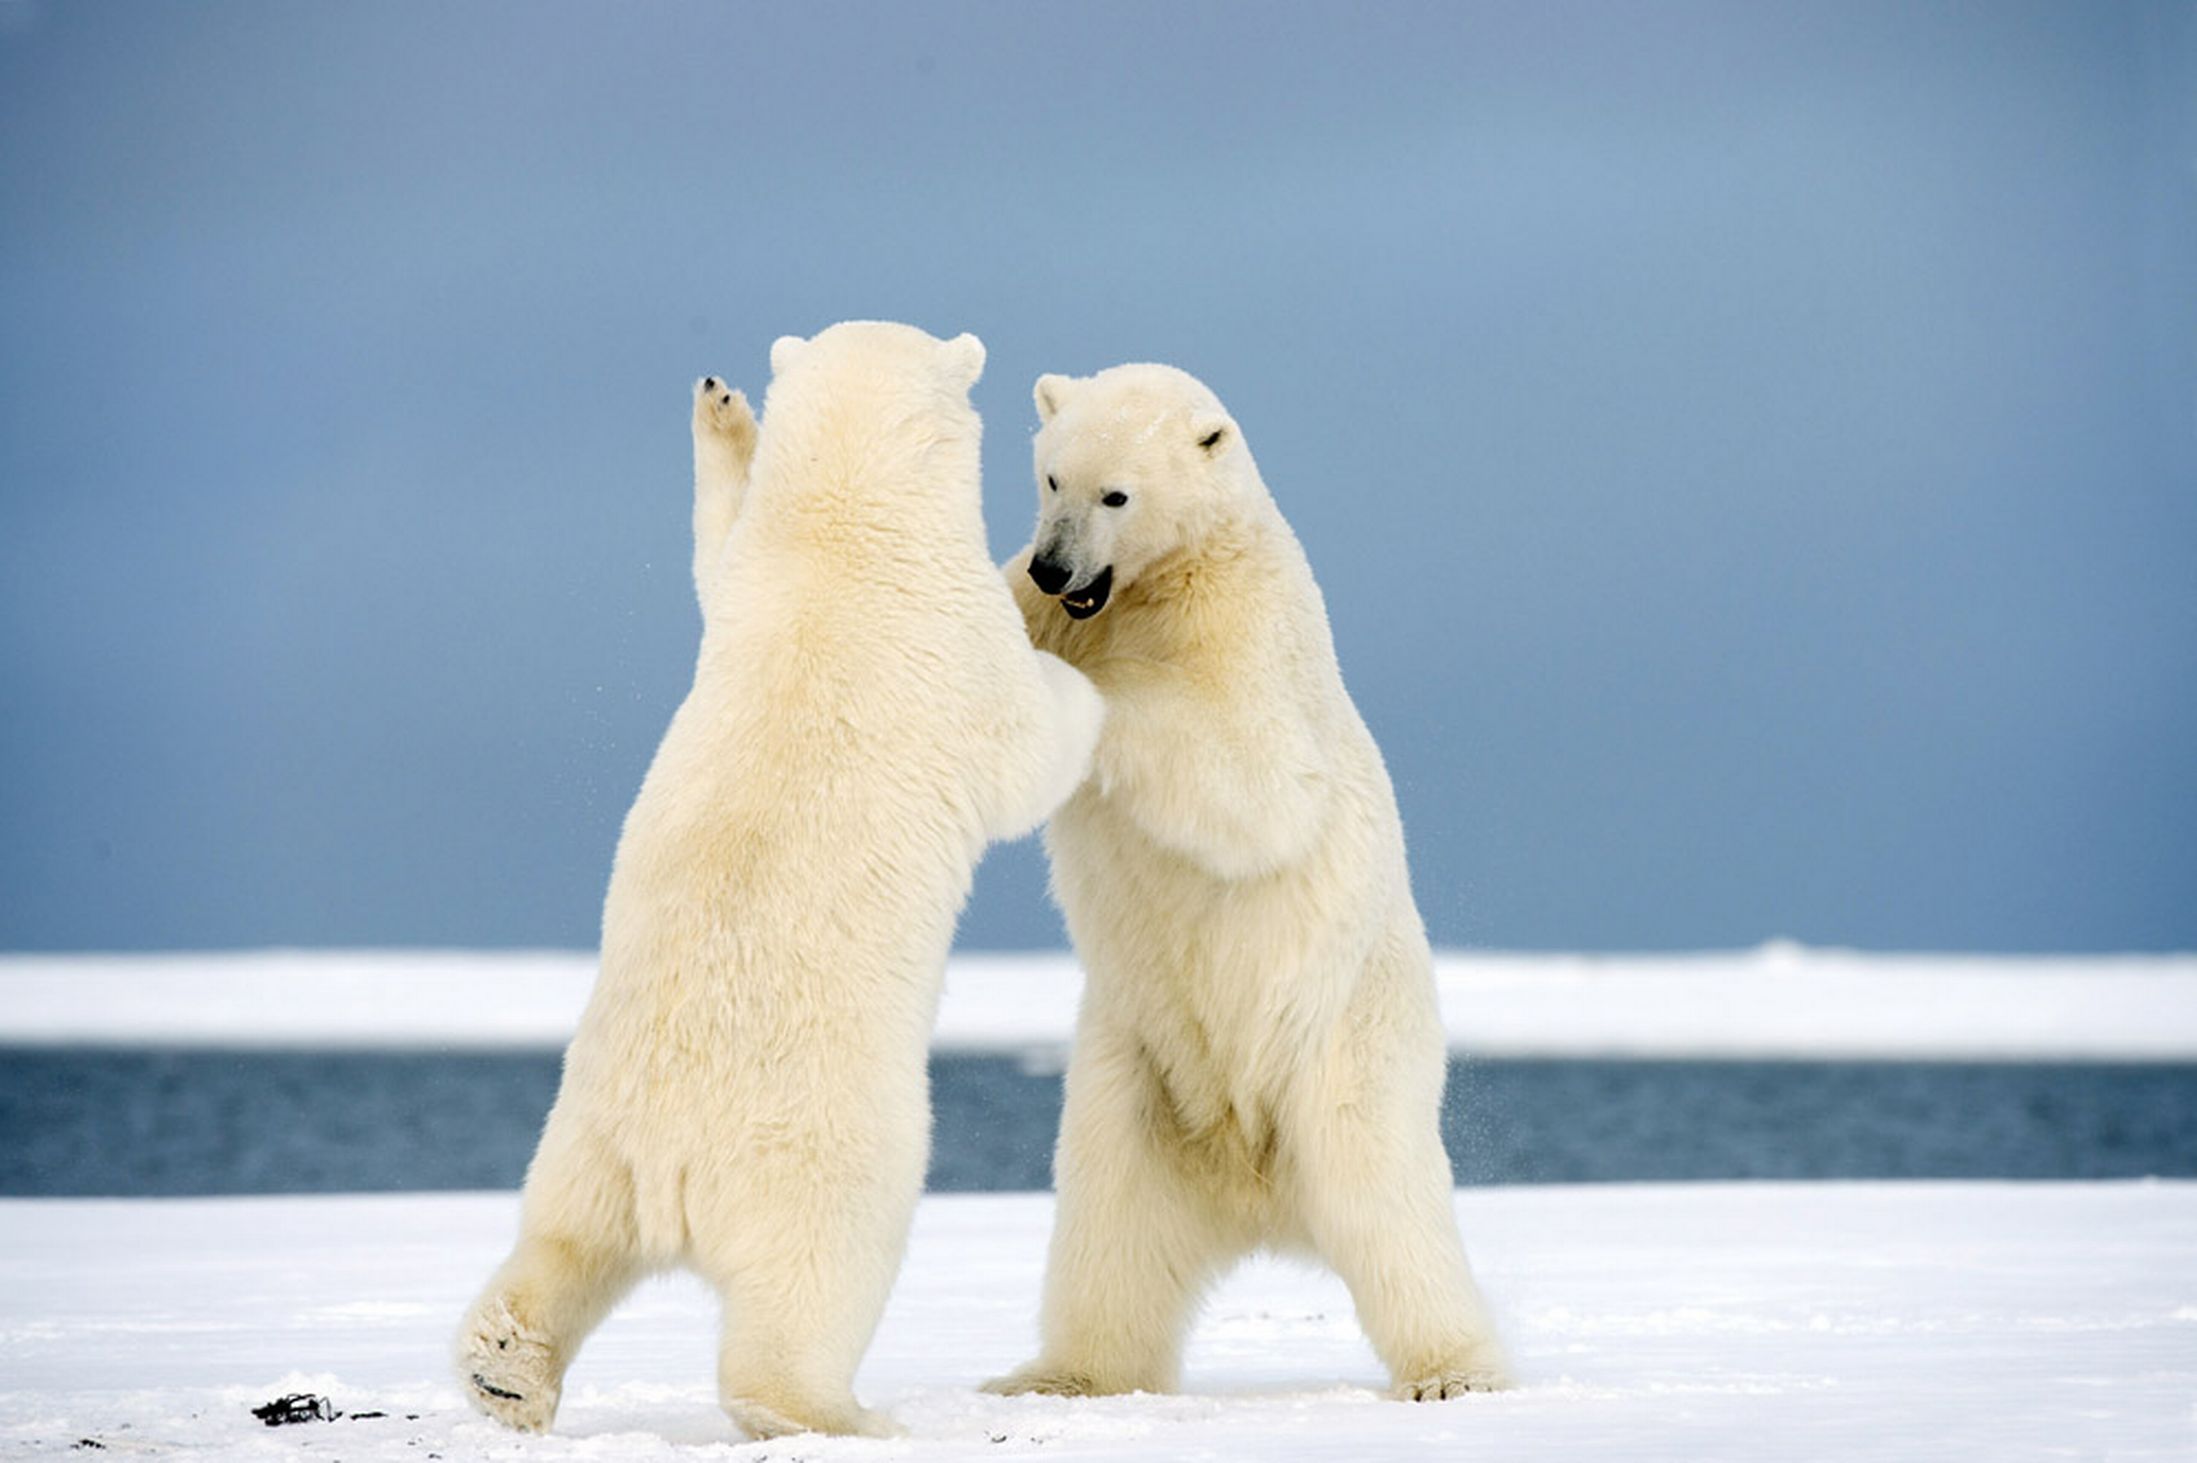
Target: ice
(1775,1001)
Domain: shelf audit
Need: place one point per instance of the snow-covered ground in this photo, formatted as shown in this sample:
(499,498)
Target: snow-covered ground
(1776,1001)
(1987,1322)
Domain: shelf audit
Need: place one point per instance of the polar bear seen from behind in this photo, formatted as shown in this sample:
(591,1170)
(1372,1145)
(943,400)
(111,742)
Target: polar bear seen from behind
(747,1091)
(1258,1061)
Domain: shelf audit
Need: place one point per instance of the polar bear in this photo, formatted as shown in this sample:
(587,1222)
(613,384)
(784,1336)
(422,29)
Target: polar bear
(746,1093)
(1258,1060)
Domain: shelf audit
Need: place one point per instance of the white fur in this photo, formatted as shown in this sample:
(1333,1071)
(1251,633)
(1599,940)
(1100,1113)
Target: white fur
(746,1093)
(1258,1060)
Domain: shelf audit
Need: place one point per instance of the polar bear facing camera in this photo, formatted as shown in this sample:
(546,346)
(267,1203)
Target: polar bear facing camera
(747,1092)
(1258,1061)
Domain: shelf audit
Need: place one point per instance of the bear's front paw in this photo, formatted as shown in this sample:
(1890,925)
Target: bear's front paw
(507,1371)
(721,414)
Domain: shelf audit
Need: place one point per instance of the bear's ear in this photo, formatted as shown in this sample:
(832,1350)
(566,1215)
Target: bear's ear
(1050,392)
(1212,431)
(783,352)
(965,358)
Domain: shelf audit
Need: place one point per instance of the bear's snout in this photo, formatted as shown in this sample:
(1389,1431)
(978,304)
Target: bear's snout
(1048,576)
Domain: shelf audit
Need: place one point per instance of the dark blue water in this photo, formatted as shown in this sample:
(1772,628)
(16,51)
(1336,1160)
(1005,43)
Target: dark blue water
(197,1122)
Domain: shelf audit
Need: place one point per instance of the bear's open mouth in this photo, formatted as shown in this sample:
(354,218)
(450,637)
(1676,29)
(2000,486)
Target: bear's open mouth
(1083,603)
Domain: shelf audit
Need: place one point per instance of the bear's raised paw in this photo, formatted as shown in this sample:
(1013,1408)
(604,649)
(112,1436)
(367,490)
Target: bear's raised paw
(723,414)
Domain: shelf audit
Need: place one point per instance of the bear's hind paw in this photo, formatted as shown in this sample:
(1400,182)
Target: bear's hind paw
(762,1421)
(1044,1381)
(509,1374)
(1441,1386)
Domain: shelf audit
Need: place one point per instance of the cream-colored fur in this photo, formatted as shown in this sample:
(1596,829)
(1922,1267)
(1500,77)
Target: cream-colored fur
(746,1093)
(1258,1061)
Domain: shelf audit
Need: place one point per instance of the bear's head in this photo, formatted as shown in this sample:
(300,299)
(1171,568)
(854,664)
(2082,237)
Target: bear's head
(868,403)
(1133,464)
(880,347)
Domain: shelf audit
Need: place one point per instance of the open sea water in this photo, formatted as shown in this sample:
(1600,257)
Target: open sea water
(115,1122)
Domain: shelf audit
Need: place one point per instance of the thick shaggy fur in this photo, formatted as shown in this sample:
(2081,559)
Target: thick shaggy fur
(746,1094)
(1258,1060)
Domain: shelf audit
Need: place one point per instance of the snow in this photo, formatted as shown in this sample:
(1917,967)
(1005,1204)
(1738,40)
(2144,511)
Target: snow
(1988,1321)
(1776,1001)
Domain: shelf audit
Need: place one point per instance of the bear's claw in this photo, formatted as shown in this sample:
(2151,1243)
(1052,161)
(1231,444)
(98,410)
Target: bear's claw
(495,1391)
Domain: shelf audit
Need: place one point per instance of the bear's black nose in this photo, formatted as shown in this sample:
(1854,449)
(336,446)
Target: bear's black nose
(1049,577)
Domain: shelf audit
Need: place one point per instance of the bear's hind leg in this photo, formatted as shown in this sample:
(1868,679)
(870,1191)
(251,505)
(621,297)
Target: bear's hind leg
(1134,1246)
(803,1243)
(577,1255)
(1374,1197)
(793,1338)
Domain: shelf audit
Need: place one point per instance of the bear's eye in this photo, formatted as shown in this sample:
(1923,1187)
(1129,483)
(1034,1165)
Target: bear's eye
(1115,499)
(1052,482)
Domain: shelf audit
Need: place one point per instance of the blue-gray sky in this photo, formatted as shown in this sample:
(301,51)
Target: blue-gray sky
(1750,450)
